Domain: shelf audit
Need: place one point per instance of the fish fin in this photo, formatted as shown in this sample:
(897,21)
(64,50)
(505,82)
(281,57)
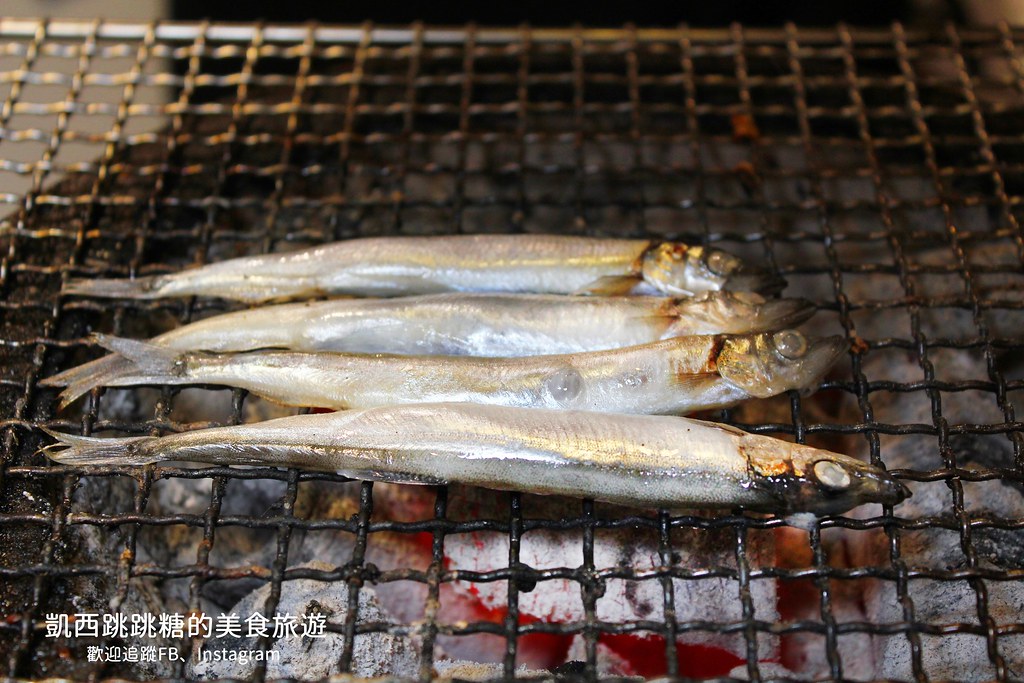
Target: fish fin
(614,285)
(115,288)
(72,375)
(728,429)
(682,380)
(72,449)
(84,378)
(135,362)
(392,477)
(146,356)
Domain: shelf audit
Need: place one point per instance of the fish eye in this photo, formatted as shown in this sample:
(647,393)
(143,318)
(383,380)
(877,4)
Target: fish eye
(831,475)
(721,263)
(790,344)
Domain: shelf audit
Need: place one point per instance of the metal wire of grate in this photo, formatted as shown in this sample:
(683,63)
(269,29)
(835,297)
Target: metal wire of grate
(881,171)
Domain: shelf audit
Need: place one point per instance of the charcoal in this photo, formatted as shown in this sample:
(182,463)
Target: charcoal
(374,653)
(964,656)
(629,548)
(609,663)
(1000,547)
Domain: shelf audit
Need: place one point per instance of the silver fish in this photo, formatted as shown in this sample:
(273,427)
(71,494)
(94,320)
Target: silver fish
(395,266)
(672,376)
(639,461)
(461,324)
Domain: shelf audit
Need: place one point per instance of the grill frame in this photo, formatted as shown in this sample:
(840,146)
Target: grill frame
(198,47)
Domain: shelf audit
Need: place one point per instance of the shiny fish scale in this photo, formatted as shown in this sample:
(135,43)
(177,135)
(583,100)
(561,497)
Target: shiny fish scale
(490,325)
(631,460)
(396,266)
(667,377)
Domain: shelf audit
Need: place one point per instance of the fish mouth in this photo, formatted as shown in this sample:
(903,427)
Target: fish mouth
(896,492)
(821,356)
(778,314)
(889,490)
(755,280)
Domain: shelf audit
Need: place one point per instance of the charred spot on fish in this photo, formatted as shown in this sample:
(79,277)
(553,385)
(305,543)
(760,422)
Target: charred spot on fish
(669,308)
(179,368)
(735,431)
(790,492)
(778,477)
(773,468)
(565,385)
(652,248)
(716,350)
(664,255)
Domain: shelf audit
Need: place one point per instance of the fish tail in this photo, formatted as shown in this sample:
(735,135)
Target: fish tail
(72,449)
(116,288)
(146,357)
(84,378)
(75,374)
(135,362)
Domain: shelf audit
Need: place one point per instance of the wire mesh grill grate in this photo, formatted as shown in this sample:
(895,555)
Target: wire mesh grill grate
(880,171)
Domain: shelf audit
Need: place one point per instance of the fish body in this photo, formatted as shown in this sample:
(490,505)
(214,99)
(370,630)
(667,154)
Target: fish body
(672,376)
(396,266)
(639,461)
(499,325)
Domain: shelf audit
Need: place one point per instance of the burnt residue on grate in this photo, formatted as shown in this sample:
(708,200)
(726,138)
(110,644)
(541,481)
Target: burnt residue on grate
(880,171)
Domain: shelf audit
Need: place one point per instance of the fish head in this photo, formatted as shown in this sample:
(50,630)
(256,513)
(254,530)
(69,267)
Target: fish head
(739,313)
(770,363)
(679,269)
(800,478)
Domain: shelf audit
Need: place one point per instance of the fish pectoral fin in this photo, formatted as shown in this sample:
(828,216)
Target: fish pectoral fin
(683,380)
(392,477)
(615,285)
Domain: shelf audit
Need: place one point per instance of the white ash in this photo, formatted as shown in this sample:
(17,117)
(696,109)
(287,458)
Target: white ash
(374,654)
(609,662)
(126,404)
(961,657)
(405,601)
(915,408)
(767,670)
(559,600)
(105,546)
(233,546)
(805,652)
(215,405)
(461,670)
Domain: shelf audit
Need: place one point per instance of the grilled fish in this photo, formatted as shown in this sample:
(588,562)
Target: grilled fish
(672,376)
(461,324)
(639,461)
(395,266)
